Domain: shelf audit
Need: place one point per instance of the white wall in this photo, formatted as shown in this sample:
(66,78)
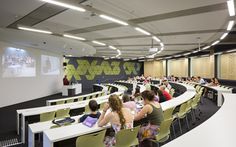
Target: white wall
(20,89)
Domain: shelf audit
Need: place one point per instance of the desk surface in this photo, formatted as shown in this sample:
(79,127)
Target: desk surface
(80,104)
(74,97)
(218,131)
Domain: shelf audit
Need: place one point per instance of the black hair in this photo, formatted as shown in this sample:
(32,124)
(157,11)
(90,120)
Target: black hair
(93,105)
(149,95)
(125,98)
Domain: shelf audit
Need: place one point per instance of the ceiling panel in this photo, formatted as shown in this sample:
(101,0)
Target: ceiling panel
(116,32)
(77,19)
(205,21)
(12,10)
(54,27)
(140,8)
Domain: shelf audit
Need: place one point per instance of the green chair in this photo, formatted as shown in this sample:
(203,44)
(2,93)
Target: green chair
(139,98)
(127,137)
(102,105)
(47,116)
(103,93)
(86,109)
(90,140)
(164,131)
(62,113)
(168,114)
(70,101)
(80,98)
(181,115)
(60,102)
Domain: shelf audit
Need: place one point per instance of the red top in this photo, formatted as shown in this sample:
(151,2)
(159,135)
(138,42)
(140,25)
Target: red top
(166,95)
(65,81)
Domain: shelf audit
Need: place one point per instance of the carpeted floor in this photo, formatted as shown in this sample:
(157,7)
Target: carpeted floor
(8,115)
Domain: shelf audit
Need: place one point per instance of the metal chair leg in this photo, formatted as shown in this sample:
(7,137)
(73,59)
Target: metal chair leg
(173,128)
(180,126)
(186,118)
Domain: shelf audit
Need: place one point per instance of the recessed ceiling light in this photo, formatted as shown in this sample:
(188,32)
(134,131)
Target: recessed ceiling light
(34,30)
(231,9)
(73,37)
(119,52)
(230,25)
(216,42)
(113,19)
(141,60)
(155,38)
(223,36)
(161,44)
(187,54)
(177,55)
(112,47)
(65,5)
(142,31)
(99,43)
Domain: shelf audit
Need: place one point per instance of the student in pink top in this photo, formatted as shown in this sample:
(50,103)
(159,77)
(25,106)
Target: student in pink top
(127,103)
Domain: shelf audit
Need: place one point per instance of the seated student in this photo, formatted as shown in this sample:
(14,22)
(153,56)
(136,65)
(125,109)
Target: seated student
(167,85)
(156,97)
(161,96)
(127,103)
(65,80)
(93,106)
(201,80)
(165,93)
(152,114)
(119,118)
(214,82)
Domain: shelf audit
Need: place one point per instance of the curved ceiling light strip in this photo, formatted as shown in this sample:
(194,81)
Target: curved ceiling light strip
(61,4)
(104,16)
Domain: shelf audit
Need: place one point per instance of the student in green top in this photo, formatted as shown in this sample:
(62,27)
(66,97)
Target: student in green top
(152,114)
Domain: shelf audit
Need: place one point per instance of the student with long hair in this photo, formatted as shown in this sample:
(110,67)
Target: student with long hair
(119,117)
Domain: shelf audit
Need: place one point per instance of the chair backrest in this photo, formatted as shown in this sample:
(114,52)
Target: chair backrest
(102,105)
(86,109)
(60,102)
(127,137)
(70,101)
(91,140)
(168,113)
(164,130)
(62,113)
(188,107)
(182,109)
(47,116)
(139,98)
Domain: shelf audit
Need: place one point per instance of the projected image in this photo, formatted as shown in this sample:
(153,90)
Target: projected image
(50,65)
(18,63)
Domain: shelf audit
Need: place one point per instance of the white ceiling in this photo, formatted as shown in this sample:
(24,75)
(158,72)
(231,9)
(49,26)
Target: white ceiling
(54,44)
(127,10)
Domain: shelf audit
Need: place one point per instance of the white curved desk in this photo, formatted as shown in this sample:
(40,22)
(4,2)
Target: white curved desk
(51,136)
(218,131)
